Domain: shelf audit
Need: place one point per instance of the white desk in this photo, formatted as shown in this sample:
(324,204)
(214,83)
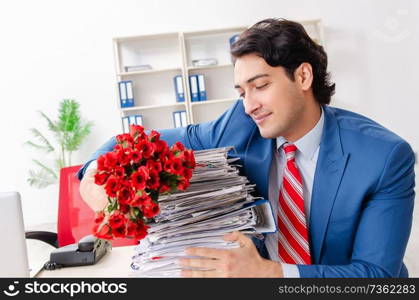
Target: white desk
(115,263)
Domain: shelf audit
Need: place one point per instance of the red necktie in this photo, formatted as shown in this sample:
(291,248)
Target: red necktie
(293,246)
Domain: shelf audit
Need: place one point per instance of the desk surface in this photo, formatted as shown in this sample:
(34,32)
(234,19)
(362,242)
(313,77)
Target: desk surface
(115,263)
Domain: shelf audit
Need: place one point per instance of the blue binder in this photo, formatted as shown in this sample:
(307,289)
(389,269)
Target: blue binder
(126,95)
(193,82)
(180,94)
(201,88)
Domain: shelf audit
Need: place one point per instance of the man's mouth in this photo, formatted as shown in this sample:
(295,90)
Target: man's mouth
(260,118)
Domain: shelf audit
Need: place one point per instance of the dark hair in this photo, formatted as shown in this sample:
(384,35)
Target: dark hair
(285,43)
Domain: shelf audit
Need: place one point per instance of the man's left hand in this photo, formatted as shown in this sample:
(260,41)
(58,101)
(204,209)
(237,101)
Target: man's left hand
(244,261)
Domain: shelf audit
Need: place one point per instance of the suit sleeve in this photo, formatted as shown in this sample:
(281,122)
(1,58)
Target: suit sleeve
(197,137)
(385,224)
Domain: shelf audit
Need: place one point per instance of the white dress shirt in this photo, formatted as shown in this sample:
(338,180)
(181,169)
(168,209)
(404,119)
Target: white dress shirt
(306,159)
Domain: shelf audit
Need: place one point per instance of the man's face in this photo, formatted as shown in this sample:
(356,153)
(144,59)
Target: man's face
(270,97)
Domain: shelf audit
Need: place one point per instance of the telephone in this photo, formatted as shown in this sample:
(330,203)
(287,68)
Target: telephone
(87,251)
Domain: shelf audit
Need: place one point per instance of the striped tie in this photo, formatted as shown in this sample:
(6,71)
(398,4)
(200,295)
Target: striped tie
(293,246)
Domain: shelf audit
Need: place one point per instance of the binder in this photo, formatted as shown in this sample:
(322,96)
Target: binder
(125,124)
(193,82)
(176,119)
(180,94)
(183,118)
(126,95)
(139,120)
(201,88)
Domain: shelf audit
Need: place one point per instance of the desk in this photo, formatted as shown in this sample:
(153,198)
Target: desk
(115,263)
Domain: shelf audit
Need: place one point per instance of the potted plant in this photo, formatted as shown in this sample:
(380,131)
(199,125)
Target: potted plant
(69,131)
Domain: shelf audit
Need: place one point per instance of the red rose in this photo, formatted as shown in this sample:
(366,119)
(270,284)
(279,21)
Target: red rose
(125,194)
(136,156)
(189,158)
(136,131)
(154,136)
(139,178)
(149,208)
(187,173)
(174,166)
(154,165)
(101,177)
(110,160)
(124,156)
(139,199)
(100,216)
(154,182)
(183,184)
(103,232)
(112,186)
(146,148)
(137,230)
(178,146)
(125,140)
(164,188)
(119,172)
(161,146)
(119,231)
(117,219)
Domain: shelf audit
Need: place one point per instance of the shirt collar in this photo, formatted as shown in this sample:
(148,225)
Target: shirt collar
(310,142)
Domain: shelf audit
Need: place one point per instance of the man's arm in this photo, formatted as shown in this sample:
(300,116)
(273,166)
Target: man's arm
(384,227)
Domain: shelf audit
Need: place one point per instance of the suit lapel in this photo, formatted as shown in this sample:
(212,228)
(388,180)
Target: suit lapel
(258,158)
(330,167)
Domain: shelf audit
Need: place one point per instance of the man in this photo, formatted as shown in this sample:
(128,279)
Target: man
(341,185)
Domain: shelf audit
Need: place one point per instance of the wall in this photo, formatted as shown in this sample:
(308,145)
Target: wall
(59,49)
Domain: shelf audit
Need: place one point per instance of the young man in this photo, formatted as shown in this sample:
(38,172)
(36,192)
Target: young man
(341,185)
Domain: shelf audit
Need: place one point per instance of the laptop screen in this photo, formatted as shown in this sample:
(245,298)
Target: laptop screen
(13,253)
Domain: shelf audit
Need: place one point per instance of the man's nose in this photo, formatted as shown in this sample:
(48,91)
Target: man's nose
(250,104)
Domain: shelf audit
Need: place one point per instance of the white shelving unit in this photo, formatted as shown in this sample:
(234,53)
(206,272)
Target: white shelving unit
(171,54)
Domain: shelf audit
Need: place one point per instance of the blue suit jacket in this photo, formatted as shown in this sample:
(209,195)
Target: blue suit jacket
(363,190)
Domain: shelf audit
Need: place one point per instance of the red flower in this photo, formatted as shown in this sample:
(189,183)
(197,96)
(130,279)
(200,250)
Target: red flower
(183,184)
(137,230)
(154,165)
(110,161)
(136,131)
(154,182)
(146,148)
(139,178)
(101,177)
(174,166)
(189,158)
(100,216)
(154,136)
(119,171)
(124,156)
(187,173)
(125,194)
(178,146)
(161,146)
(136,156)
(117,219)
(125,140)
(164,188)
(149,208)
(103,232)
(112,186)
(139,199)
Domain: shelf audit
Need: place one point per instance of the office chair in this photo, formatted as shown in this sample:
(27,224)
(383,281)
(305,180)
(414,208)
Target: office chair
(75,217)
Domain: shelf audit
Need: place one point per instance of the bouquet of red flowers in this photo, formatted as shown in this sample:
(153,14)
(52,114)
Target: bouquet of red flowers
(134,174)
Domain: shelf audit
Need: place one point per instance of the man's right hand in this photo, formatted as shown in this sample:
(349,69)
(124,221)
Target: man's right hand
(94,195)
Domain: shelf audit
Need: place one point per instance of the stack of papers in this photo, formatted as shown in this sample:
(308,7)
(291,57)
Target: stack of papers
(217,202)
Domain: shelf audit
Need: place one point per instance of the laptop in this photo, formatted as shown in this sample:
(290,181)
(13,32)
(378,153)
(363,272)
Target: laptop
(13,253)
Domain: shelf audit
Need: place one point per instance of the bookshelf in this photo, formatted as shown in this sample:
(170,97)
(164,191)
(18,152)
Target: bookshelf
(167,55)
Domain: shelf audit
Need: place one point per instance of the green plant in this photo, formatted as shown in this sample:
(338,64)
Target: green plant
(69,132)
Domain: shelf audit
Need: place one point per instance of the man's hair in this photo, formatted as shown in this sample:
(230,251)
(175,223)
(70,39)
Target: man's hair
(285,43)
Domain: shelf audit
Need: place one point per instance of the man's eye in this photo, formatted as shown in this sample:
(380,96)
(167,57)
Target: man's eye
(261,86)
(241,95)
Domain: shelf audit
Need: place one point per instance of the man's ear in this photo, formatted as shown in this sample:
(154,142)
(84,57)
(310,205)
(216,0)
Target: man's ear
(304,76)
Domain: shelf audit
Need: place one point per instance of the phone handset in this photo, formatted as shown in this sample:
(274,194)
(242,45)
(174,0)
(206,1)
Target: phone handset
(87,251)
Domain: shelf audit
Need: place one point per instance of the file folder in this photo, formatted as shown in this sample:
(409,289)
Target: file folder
(125,124)
(180,95)
(126,95)
(201,88)
(183,118)
(193,82)
(176,119)
(139,120)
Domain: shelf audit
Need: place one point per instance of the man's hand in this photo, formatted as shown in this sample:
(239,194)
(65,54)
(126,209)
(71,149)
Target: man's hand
(93,194)
(244,261)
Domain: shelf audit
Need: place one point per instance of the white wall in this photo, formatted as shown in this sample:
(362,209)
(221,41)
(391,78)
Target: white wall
(52,50)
